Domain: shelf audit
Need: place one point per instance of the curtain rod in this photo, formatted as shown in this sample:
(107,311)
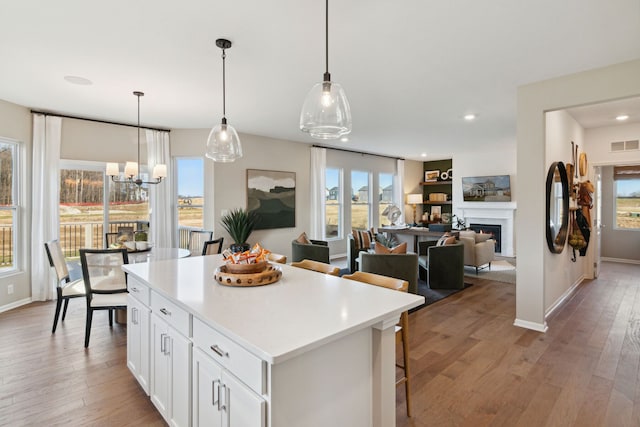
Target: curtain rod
(97,121)
(357,152)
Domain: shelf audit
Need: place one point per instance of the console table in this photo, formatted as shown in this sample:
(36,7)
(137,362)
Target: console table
(416,232)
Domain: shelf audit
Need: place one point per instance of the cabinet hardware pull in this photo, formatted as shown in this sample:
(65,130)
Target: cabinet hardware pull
(167,345)
(215,387)
(165,312)
(217,350)
(162,343)
(134,289)
(224,393)
(133,316)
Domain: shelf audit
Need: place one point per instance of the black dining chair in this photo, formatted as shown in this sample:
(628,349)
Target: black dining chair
(65,287)
(105,282)
(213,246)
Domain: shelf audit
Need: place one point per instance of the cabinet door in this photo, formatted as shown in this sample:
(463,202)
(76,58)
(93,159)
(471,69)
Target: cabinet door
(180,379)
(241,406)
(160,341)
(138,341)
(206,391)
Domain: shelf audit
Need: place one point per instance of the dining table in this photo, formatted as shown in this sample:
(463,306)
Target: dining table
(157,254)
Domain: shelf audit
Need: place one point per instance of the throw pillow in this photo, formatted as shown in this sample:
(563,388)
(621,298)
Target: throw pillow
(482,237)
(442,240)
(450,240)
(362,238)
(302,239)
(382,249)
(468,233)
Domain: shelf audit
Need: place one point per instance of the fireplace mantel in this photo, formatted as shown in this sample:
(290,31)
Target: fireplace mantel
(502,214)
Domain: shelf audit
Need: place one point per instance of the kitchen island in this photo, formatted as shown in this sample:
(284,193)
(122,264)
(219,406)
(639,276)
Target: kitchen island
(310,349)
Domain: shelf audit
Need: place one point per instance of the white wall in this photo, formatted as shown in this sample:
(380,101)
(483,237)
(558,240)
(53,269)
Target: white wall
(16,124)
(603,84)
(560,273)
(94,141)
(598,144)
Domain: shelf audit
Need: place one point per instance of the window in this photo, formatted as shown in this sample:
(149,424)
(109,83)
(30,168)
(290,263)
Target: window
(385,195)
(190,203)
(92,205)
(333,204)
(360,200)
(8,205)
(627,204)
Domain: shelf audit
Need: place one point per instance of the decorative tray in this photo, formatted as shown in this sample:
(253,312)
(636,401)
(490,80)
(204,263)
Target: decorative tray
(270,274)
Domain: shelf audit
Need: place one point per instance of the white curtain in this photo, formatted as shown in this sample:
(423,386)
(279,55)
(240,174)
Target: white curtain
(45,220)
(398,189)
(161,230)
(317,193)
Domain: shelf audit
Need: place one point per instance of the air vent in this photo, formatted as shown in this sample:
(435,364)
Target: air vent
(625,145)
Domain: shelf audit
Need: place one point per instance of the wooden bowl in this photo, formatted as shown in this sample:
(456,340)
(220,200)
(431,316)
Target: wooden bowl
(257,267)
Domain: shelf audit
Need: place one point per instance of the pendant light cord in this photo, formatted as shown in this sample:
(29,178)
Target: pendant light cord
(326,36)
(138,94)
(224,55)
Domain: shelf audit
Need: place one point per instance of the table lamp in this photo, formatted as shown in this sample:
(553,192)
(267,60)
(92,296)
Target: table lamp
(414,200)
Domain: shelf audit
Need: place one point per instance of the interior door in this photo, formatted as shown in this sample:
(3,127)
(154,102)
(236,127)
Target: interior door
(597,221)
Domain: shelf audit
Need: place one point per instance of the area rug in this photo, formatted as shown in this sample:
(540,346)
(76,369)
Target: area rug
(502,270)
(434,295)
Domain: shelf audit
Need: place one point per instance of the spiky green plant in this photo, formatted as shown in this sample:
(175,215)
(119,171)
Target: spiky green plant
(239,223)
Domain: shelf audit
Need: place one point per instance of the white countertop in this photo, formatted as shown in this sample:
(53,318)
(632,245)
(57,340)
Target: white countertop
(276,322)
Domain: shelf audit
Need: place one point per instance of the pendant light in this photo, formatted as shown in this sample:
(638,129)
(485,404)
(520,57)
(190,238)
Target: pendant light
(131,169)
(326,113)
(223,144)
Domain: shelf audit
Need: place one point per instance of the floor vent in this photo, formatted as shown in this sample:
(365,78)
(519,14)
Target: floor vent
(625,145)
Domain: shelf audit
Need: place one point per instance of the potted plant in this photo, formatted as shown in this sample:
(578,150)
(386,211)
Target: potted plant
(141,239)
(239,223)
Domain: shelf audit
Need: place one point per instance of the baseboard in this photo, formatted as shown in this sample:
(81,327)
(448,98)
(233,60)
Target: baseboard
(620,260)
(15,304)
(564,297)
(539,327)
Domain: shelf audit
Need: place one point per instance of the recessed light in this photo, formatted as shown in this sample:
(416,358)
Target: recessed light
(470,117)
(76,80)
(344,139)
(622,117)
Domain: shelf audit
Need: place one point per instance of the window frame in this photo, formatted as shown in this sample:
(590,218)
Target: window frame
(340,199)
(17,248)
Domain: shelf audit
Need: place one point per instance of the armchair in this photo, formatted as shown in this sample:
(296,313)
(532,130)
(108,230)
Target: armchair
(442,265)
(316,250)
(479,250)
(399,266)
(353,253)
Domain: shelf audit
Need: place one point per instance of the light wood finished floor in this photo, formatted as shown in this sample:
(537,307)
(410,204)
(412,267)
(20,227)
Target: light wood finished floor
(471,366)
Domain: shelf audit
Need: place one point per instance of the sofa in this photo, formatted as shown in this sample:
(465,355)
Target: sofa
(479,249)
(399,266)
(441,266)
(316,250)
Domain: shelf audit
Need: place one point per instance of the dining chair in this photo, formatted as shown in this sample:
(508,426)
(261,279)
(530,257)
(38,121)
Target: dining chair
(402,330)
(104,281)
(197,239)
(318,266)
(65,287)
(110,239)
(280,259)
(212,246)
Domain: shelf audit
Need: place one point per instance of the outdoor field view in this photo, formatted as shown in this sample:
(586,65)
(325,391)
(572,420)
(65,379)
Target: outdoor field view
(628,204)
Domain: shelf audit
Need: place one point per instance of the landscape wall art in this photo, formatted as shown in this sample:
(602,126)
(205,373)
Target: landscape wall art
(272,195)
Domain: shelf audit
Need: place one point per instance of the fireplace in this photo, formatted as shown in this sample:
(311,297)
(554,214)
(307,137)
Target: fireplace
(494,229)
(502,214)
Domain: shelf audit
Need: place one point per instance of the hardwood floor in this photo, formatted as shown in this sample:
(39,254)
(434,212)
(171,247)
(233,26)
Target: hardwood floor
(470,365)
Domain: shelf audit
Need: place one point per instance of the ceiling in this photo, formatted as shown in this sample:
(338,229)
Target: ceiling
(411,69)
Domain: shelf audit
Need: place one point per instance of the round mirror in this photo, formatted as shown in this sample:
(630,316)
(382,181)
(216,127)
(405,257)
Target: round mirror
(557,220)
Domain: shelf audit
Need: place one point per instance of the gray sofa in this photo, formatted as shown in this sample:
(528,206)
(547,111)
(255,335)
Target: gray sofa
(442,266)
(400,266)
(317,250)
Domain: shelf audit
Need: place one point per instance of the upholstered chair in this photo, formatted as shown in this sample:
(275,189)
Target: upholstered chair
(479,249)
(399,266)
(442,266)
(316,250)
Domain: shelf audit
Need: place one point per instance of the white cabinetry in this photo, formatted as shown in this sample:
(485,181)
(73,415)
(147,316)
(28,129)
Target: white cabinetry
(138,332)
(219,398)
(170,361)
